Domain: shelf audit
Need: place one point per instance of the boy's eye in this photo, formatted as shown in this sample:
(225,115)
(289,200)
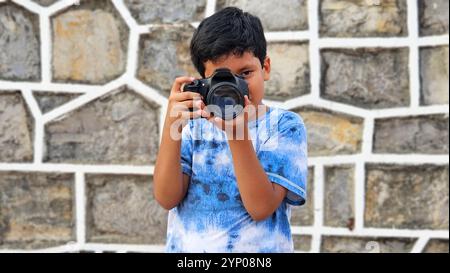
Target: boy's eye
(246,73)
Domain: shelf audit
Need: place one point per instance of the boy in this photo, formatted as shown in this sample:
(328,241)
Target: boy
(228,193)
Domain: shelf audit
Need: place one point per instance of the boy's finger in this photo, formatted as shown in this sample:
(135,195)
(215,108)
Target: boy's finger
(187,103)
(200,113)
(196,114)
(176,87)
(199,104)
(247,101)
(182,96)
(205,114)
(181,105)
(190,115)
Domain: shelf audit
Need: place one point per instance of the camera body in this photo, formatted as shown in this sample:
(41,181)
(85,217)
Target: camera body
(222,92)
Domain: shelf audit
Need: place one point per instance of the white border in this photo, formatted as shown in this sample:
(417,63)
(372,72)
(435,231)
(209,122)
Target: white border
(89,93)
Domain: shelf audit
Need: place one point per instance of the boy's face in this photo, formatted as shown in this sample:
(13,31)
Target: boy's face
(249,67)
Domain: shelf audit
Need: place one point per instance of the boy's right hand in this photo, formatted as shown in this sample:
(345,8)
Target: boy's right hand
(180,102)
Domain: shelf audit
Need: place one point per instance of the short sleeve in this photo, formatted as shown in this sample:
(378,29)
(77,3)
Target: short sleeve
(284,157)
(186,149)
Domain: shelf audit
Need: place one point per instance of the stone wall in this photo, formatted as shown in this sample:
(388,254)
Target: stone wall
(83,91)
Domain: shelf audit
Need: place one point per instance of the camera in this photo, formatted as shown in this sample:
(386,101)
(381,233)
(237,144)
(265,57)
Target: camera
(223,90)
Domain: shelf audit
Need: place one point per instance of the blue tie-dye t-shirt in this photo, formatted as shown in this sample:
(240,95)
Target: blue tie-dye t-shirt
(212,217)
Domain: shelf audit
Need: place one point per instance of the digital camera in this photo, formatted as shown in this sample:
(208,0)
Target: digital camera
(221,92)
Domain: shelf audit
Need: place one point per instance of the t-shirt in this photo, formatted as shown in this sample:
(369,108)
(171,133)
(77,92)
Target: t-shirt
(212,217)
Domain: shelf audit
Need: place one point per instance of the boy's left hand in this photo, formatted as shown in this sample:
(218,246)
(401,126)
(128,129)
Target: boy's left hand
(236,129)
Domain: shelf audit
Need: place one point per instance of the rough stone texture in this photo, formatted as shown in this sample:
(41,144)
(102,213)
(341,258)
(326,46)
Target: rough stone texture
(164,55)
(331,133)
(45,3)
(36,209)
(339,207)
(417,134)
(412,197)
(436,246)
(338,244)
(302,242)
(363,18)
(433,16)
(290,71)
(369,78)
(16,128)
(304,215)
(121,210)
(434,75)
(274,15)
(163,11)
(89,43)
(118,128)
(19,44)
(48,101)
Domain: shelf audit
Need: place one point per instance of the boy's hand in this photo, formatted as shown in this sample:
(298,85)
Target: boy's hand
(236,129)
(180,102)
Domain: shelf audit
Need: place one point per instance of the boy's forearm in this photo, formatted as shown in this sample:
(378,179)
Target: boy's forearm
(168,177)
(257,191)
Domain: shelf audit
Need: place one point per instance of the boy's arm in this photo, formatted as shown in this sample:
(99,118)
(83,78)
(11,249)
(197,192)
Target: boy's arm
(260,196)
(170,184)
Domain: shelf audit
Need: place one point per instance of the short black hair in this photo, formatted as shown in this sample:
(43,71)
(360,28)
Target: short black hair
(229,30)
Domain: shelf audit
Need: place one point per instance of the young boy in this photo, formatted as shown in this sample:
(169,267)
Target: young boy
(229,194)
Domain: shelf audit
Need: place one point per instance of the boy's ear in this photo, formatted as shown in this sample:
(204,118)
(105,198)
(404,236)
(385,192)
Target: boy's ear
(266,68)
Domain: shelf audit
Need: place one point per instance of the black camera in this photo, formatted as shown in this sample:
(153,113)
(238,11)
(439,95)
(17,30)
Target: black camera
(222,92)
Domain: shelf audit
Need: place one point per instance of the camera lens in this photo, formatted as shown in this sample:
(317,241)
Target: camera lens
(225,97)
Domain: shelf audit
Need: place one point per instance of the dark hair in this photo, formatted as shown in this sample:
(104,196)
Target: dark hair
(228,31)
